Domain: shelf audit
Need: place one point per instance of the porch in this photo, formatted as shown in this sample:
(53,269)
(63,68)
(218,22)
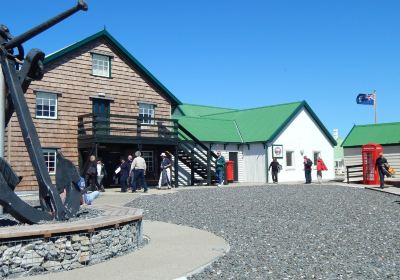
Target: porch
(117,136)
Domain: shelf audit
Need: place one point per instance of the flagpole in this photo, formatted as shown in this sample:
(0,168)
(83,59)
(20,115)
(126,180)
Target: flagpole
(375,105)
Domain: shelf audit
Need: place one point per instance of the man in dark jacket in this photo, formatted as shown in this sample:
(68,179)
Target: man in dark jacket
(307,169)
(124,174)
(90,175)
(381,163)
(220,169)
(274,166)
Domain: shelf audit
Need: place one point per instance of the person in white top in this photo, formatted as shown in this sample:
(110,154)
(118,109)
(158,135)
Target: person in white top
(138,168)
(165,175)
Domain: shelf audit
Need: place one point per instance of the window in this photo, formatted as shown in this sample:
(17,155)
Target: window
(101,65)
(148,157)
(46,105)
(146,113)
(289,158)
(50,160)
(316,155)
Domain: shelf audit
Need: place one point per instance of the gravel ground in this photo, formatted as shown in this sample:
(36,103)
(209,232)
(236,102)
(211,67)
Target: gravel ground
(290,232)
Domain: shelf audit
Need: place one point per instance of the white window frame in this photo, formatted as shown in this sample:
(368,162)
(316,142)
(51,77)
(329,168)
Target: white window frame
(49,99)
(315,158)
(47,153)
(146,109)
(290,167)
(101,65)
(148,157)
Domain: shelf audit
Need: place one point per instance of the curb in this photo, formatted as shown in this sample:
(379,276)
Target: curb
(203,267)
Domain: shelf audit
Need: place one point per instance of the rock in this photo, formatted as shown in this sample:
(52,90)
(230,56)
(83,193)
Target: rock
(85,241)
(76,238)
(52,265)
(85,248)
(10,252)
(31,258)
(75,265)
(16,260)
(84,257)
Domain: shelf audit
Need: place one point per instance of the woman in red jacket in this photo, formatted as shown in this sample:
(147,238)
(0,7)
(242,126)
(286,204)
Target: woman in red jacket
(320,167)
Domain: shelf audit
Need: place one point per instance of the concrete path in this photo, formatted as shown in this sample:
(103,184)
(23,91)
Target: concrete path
(391,190)
(173,252)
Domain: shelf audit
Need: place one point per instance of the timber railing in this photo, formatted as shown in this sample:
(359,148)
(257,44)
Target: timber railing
(354,171)
(123,125)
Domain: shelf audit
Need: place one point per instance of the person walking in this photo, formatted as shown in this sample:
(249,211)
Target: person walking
(123,175)
(91,174)
(307,169)
(381,163)
(220,169)
(101,174)
(320,167)
(275,167)
(139,171)
(165,175)
(130,159)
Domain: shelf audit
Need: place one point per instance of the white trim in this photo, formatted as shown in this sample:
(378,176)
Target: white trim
(48,95)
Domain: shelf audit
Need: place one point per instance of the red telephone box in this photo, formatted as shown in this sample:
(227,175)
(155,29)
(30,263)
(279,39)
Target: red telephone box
(370,152)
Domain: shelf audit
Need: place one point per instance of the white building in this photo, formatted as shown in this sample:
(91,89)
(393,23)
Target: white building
(252,137)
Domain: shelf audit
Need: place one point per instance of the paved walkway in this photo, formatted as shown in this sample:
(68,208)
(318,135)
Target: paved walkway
(173,251)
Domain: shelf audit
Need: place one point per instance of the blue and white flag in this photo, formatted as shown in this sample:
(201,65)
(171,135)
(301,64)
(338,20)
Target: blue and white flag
(366,99)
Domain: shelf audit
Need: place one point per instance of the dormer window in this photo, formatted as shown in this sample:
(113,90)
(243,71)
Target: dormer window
(101,65)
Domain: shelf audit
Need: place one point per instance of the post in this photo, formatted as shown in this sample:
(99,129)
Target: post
(176,166)
(2,117)
(2,111)
(375,106)
(209,167)
(192,166)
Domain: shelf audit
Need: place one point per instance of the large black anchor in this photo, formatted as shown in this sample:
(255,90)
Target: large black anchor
(19,72)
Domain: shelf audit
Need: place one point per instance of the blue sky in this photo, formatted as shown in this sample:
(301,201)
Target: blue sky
(243,54)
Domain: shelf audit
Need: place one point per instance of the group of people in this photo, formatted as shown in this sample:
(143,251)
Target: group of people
(95,174)
(275,168)
(132,172)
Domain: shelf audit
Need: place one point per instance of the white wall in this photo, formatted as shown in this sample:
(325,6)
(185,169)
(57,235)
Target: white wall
(254,163)
(225,153)
(303,134)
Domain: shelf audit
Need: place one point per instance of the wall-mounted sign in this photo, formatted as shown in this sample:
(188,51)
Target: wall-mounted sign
(277,151)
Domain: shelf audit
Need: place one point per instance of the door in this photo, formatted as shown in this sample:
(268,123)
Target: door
(101,116)
(233,156)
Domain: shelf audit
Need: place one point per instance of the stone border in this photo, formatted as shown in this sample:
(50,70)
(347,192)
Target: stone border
(65,251)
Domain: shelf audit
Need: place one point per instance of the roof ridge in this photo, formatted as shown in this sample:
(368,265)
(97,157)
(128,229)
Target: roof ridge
(255,108)
(207,106)
(202,118)
(378,124)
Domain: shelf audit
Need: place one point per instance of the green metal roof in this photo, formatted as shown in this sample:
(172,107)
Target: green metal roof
(211,130)
(121,50)
(251,125)
(384,134)
(191,110)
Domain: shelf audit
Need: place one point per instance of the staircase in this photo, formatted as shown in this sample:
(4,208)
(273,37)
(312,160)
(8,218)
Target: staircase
(197,157)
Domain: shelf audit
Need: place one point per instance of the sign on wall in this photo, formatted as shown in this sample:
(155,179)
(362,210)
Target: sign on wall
(277,151)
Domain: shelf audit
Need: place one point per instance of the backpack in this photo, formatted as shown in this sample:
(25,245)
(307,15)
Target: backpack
(309,163)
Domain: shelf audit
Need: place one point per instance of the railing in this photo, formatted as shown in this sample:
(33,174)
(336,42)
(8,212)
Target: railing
(354,171)
(123,125)
(199,153)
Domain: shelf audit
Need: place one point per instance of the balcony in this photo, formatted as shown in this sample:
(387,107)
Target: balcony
(125,130)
